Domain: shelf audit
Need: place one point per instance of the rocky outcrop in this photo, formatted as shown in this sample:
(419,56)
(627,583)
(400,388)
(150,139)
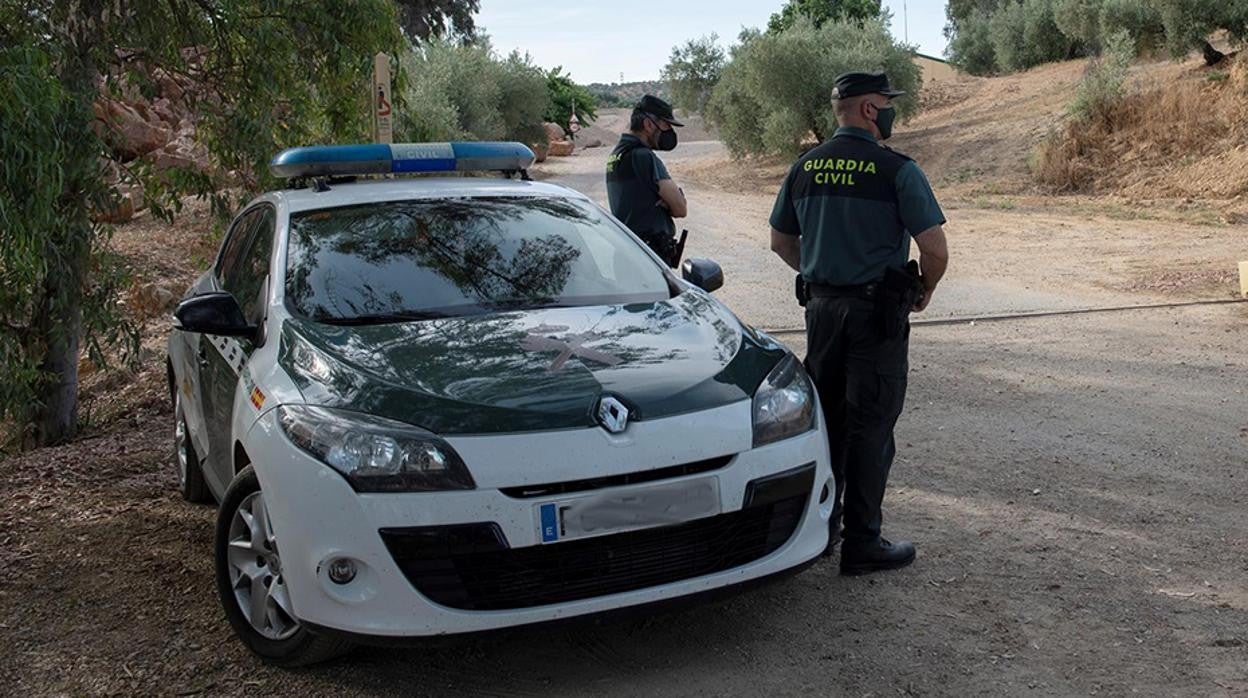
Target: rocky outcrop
(561,149)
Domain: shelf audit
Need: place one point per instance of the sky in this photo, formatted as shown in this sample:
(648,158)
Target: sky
(596,41)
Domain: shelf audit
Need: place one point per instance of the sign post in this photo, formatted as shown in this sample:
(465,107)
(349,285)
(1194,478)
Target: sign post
(383,124)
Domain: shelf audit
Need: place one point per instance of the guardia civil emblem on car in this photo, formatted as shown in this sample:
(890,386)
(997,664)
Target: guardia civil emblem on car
(612,414)
(434,405)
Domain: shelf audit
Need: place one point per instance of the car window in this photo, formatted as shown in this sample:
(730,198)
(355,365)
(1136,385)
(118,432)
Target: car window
(235,240)
(462,256)
(246,280)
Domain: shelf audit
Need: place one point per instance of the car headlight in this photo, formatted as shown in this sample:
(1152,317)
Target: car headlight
(373,453)
(784,404)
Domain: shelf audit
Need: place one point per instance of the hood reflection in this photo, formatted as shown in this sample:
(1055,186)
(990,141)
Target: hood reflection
(542,369)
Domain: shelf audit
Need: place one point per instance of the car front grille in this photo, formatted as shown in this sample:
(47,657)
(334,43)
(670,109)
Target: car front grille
(471,566)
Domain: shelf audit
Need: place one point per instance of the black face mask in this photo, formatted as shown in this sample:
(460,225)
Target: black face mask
(884,121)
(666,140)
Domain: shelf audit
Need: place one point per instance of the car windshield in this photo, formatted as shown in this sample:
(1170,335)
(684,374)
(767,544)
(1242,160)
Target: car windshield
(411,260)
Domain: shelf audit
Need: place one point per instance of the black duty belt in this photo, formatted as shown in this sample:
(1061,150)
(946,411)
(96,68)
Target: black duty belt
(865,291)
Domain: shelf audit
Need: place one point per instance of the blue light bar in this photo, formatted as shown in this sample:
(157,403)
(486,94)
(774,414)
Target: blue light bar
(400,158)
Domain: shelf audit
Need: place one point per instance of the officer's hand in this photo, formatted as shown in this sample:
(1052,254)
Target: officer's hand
(923,301)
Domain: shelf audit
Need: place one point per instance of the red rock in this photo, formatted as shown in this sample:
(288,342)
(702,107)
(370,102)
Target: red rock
(129,133)
(561,149)
(554,132)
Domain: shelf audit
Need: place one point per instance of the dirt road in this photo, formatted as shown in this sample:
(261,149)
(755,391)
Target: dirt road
(1075,485)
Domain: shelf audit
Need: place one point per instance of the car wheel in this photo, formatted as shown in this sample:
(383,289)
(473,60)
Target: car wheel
(190,474)
(252,588)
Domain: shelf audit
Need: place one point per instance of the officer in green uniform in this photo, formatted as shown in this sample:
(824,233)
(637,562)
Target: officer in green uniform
(844,219)
(641,192)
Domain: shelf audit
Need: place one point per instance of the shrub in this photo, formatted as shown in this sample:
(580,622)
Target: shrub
(464,91)
(1103,85)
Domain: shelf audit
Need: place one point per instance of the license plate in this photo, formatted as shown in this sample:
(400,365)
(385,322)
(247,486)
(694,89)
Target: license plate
(641,507)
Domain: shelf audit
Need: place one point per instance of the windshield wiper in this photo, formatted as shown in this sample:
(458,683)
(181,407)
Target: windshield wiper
(384,318)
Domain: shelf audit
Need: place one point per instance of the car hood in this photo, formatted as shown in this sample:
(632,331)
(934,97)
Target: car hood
(532,370)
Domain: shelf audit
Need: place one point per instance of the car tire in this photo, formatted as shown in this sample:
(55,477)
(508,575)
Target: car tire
(279,638)
(186,461)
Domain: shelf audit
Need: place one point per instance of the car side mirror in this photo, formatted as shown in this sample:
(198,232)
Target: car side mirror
(216,313)
(706,274)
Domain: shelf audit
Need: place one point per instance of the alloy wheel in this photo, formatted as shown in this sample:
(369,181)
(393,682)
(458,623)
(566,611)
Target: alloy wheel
(256,571)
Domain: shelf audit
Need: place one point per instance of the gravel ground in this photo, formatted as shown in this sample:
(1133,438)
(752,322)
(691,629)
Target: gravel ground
(1075,485)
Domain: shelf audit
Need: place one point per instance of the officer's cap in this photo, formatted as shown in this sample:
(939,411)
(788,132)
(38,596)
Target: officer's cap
(855,84)
(657,107)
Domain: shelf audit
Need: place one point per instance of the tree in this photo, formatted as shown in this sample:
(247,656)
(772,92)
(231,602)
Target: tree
(1188,23)
(822,11)
(693,71)
(1024,34)
(425,19)
(775,92)
(567,97)
(970,45)
(266,74)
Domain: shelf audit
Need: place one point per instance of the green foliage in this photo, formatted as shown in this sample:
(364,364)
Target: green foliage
(45,234)
(267,74)
(970,47)
(465,92)
(821,12)
(1139,19)
(776,91)
(426,19)
(565,96)
(1104,84)
(1079,20)
(693,70)
(1188,22)
(1025,34)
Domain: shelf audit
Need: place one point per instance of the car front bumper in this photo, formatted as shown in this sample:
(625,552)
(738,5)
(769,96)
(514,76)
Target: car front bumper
(466,561)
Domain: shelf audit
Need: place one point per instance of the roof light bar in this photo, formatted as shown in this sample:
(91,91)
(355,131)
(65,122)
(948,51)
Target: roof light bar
(399,158)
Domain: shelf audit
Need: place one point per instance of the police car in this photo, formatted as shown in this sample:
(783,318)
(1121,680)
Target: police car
(437,405)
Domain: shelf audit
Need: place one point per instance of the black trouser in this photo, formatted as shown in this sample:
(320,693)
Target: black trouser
(861,379)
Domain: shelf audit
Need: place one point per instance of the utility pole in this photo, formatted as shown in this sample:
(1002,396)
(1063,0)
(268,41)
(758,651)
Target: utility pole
(905,19)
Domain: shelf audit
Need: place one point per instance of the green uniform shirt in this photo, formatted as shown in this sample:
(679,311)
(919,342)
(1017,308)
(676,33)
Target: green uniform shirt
(633,176)
(855,204)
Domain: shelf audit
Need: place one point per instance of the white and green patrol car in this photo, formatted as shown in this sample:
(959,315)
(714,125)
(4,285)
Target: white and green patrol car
(435,405)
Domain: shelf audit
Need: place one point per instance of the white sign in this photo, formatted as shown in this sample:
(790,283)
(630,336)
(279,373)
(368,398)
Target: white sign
(383,123)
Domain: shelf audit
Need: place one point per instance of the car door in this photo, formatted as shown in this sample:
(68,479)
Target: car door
(243,272)
(192,354)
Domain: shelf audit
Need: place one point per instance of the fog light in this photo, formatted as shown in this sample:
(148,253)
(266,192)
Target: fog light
(342,571)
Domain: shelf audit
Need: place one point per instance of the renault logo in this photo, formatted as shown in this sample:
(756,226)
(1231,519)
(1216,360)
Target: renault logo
(612,414)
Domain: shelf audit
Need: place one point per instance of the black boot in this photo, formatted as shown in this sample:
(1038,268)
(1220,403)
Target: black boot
(880,554)
(834,536)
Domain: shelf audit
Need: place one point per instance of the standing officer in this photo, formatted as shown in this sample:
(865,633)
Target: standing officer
(844,219)
(641,192)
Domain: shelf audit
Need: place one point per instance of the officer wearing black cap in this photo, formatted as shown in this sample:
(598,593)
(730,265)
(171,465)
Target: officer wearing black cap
(641,192)
(844,219)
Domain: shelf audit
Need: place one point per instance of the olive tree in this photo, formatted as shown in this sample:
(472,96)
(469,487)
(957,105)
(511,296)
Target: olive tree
(693,70)
(776,91)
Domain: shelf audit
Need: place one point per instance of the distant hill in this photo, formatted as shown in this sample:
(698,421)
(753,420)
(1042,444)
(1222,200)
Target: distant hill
(626,94)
